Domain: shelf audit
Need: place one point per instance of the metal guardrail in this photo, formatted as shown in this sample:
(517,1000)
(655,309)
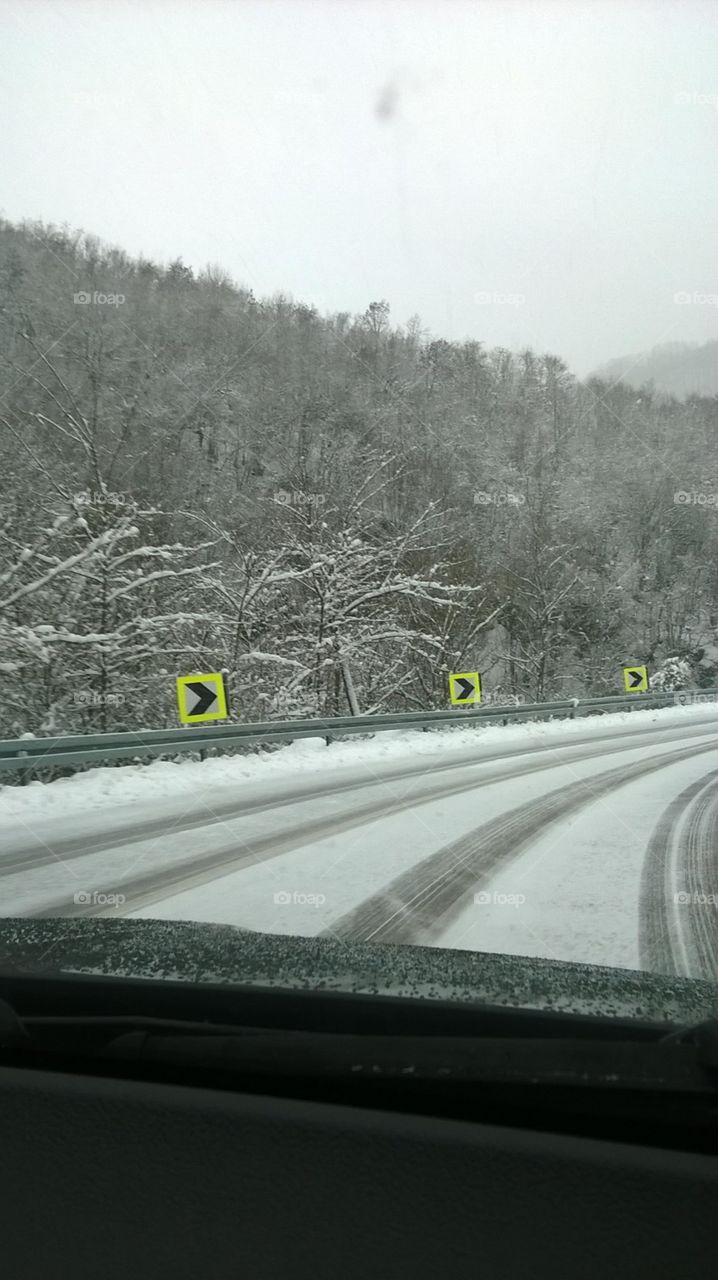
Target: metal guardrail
(34,755)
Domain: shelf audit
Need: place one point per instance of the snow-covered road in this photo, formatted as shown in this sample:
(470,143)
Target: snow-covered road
(591,841)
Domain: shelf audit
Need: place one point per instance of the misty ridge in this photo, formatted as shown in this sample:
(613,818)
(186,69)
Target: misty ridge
(195,479)
(675,368)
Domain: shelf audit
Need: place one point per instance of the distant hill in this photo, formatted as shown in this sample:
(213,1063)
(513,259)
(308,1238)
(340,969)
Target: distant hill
(677,368)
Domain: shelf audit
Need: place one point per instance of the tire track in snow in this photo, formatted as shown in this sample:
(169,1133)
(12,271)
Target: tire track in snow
(237,853)
(678,922)
(421,903)
(49,853)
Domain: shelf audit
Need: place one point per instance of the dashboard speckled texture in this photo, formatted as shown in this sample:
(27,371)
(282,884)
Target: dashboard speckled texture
(206,953)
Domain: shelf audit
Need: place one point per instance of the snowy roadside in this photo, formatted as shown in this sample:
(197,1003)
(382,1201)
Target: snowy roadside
(169,786)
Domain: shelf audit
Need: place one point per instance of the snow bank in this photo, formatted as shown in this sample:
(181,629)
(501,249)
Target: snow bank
(311,760)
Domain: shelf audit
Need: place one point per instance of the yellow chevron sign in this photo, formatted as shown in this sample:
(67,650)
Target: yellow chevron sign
(464,687)
(201,698)
(635,679)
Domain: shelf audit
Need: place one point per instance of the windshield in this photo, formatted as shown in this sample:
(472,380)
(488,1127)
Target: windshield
(359,502)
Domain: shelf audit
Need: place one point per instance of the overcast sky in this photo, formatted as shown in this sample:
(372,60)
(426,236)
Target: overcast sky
(540,174)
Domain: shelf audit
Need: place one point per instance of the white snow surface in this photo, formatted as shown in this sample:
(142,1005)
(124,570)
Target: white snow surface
(341,823)
(151,785)
(580,891)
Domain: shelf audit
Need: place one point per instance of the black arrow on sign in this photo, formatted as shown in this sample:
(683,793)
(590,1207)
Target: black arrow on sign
(468,688)
(636,678)
(206,695)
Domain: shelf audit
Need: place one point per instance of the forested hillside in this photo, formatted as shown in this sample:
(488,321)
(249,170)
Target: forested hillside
(196,479)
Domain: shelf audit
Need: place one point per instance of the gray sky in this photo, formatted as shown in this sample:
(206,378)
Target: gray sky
(540,174)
